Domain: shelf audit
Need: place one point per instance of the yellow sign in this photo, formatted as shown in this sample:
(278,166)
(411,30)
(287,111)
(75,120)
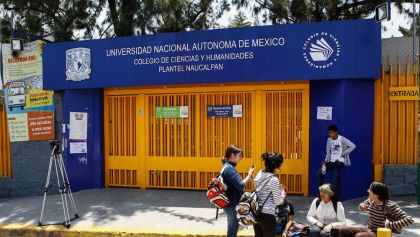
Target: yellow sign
(404,93)
(39,98)
(28,64)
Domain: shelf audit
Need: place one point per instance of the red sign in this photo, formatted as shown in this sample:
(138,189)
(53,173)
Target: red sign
(41,125)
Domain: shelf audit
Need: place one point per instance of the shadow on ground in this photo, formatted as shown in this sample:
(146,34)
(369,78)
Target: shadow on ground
(162,209)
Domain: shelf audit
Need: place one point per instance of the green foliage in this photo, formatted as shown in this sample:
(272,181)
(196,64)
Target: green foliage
(409,31)
(58,18)
(296,11)
(240,20)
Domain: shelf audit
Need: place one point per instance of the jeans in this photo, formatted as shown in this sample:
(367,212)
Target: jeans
(233,224)
(317,232)
(266,226)
(336,168)
(356,232)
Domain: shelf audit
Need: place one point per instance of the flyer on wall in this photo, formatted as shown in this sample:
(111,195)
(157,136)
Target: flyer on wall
(30,109)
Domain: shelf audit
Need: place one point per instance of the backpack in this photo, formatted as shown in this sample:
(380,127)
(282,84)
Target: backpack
(216,192)
(282,214)
(318,201)
(248,208)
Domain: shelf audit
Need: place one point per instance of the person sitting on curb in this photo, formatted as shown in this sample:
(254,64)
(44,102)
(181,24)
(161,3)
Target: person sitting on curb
(284,217)
(326,213)
(382,213)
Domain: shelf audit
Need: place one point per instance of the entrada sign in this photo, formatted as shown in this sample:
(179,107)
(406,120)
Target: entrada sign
(404,93)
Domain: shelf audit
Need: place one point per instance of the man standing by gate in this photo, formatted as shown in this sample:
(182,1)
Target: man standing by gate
(338,156)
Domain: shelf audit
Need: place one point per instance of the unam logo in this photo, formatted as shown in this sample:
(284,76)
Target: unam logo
(78,64)
(321,50)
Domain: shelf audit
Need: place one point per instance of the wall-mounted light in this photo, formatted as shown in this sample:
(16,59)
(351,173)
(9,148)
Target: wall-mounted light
(16,44)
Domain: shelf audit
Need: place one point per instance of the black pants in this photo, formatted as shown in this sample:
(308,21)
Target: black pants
(266,227)
(336,168)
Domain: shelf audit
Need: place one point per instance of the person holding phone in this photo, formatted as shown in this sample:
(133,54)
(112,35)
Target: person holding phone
(235,184)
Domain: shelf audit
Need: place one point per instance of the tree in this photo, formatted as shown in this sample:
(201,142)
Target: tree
(182,15)
(296,11)
(130,17)
(71,20)
(409,31)
(58,18)
(240,20)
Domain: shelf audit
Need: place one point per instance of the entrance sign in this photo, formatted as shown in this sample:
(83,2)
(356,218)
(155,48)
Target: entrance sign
(172,112)
(227,111)
(311,51)
(404,93)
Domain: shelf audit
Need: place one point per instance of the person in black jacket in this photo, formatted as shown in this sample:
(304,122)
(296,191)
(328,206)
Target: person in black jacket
(235,185)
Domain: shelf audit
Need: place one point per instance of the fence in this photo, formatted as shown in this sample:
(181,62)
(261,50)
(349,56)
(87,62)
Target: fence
(5,162)
(396,117)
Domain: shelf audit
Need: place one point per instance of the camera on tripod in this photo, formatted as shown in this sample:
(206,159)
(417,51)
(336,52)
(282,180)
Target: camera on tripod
(55,144)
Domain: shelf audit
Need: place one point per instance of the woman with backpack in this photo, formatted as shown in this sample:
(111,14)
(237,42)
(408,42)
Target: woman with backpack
(269,195)
(326,214)
(235,184)
(382,213)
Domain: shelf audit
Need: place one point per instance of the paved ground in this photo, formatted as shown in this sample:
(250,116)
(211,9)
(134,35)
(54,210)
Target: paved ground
(158,211)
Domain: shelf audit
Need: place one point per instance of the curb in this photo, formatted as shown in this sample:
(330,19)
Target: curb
(21,230)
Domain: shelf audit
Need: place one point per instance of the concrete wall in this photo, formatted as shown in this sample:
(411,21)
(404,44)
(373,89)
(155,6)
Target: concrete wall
(401,179)
(30,163)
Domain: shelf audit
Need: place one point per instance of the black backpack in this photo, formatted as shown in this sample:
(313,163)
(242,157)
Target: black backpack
(318,201)
(282,215)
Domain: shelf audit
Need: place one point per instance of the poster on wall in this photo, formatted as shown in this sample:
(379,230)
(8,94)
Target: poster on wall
(30,109)
(78,126)
(78,147)
(324,113)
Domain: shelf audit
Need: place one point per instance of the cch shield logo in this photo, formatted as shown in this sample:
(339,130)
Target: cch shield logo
(78,64)
(321,50)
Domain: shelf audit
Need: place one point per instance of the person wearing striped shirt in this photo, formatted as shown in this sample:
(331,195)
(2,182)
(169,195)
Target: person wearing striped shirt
(270,194)
(382,213)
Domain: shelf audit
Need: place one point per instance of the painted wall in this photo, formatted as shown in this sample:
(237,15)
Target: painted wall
(30,163)
(86,170)
(352,102)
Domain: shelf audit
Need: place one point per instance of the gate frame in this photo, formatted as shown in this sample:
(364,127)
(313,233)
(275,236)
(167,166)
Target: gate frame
(258,88)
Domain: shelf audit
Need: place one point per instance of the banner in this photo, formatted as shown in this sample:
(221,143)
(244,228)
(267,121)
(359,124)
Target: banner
(30,109)
(284,52)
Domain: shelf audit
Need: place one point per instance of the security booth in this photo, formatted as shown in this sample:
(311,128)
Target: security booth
(158,111)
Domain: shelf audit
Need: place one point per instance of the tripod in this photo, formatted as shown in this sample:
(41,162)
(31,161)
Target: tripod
(56,160)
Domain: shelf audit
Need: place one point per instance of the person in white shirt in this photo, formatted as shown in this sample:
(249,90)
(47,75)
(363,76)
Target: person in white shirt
(337,157)
(326,214)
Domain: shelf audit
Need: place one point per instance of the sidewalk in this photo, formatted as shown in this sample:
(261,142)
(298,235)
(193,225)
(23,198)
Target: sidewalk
(134,212)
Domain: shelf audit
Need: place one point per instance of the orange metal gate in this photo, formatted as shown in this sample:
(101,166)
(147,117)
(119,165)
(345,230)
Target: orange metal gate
(396,121)
(5,162)
(185,153)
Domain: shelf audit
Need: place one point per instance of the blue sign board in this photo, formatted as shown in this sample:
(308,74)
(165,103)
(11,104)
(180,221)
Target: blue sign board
(312,51)
(224,111)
